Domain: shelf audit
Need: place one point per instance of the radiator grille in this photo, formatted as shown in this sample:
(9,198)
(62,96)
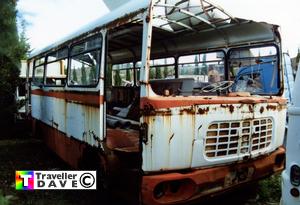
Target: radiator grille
(229,138)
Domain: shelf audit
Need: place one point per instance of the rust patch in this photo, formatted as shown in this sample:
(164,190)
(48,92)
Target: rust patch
(281,107)
(206,178)
(190,110)
(178,101)
(251,110)
(261,110)
(68,148)
(123,140)
(230,107)
(203,111)
(148,110)
(85,98)
(247,101)
(271,107)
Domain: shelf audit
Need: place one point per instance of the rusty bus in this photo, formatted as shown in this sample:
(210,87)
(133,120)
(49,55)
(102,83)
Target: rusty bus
(169,100)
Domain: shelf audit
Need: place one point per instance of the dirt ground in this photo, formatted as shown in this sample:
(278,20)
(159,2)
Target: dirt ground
(25,153)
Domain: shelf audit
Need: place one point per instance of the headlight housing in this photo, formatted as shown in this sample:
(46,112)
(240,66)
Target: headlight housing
(295,175)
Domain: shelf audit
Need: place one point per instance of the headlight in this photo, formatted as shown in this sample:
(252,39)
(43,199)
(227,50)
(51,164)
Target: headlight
(295,175)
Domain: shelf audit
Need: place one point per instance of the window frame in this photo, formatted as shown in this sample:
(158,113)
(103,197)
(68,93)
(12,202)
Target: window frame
(225,60)
(157,66)
(133,69)
(100,49)
(53,61)
(34,71)
(279,70)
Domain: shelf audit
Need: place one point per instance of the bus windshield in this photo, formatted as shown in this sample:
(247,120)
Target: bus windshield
(254,70)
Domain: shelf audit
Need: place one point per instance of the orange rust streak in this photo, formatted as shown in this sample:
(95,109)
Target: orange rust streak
(70,150)
(169,102)
(122,139)
(205,177)
(93,99)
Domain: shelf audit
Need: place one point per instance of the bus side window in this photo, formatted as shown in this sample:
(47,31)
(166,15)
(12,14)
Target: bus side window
(56,68)
(85,61)
(38,71)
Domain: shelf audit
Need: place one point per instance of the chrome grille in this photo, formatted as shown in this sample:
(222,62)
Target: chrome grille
(229,138)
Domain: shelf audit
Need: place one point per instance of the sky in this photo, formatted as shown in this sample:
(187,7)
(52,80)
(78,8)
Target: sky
(50,20)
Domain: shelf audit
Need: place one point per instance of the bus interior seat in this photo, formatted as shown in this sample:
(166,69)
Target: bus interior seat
(123,102)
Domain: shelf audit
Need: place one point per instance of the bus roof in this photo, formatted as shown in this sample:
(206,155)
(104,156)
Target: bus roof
(131,7)
(211,32)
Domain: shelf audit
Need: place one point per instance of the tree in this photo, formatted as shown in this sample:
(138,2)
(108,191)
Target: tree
(109,75)
(83,75)
(166,70)
(128,77)
(13,48)
(92,75)
(196,61)
(158,73)
(204,67)
(117,78)
(74,74)
(152,73)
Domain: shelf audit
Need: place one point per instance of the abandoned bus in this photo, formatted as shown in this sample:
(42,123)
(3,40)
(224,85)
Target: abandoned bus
(169,100)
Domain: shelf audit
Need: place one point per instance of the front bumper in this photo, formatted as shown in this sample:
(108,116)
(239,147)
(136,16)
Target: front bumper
(177,188)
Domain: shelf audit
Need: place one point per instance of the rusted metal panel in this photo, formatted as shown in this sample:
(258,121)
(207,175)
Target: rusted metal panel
(200,182)
(84,98)
(182,132)
(63,112)
(158,102)
(69,149)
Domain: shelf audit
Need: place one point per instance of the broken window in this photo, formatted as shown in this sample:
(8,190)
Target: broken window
(85,62)
(254,70)
(56,68)
(39,66)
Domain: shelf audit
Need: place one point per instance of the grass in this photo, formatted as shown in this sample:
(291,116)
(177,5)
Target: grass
(269,190)
(32,154)
(3,199)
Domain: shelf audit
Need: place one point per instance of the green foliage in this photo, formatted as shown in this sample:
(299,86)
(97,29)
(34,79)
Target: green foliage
(269,189)
(204,67)
(152,73)
(109,75)
(158,73)
(12,49)
(166,71)
(3,200)
(117,78)
(92,75)
(83,75)
(128,77)
(196,71)
(74,74)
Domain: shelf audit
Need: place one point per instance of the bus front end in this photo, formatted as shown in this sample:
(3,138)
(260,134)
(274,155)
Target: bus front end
(220,122)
